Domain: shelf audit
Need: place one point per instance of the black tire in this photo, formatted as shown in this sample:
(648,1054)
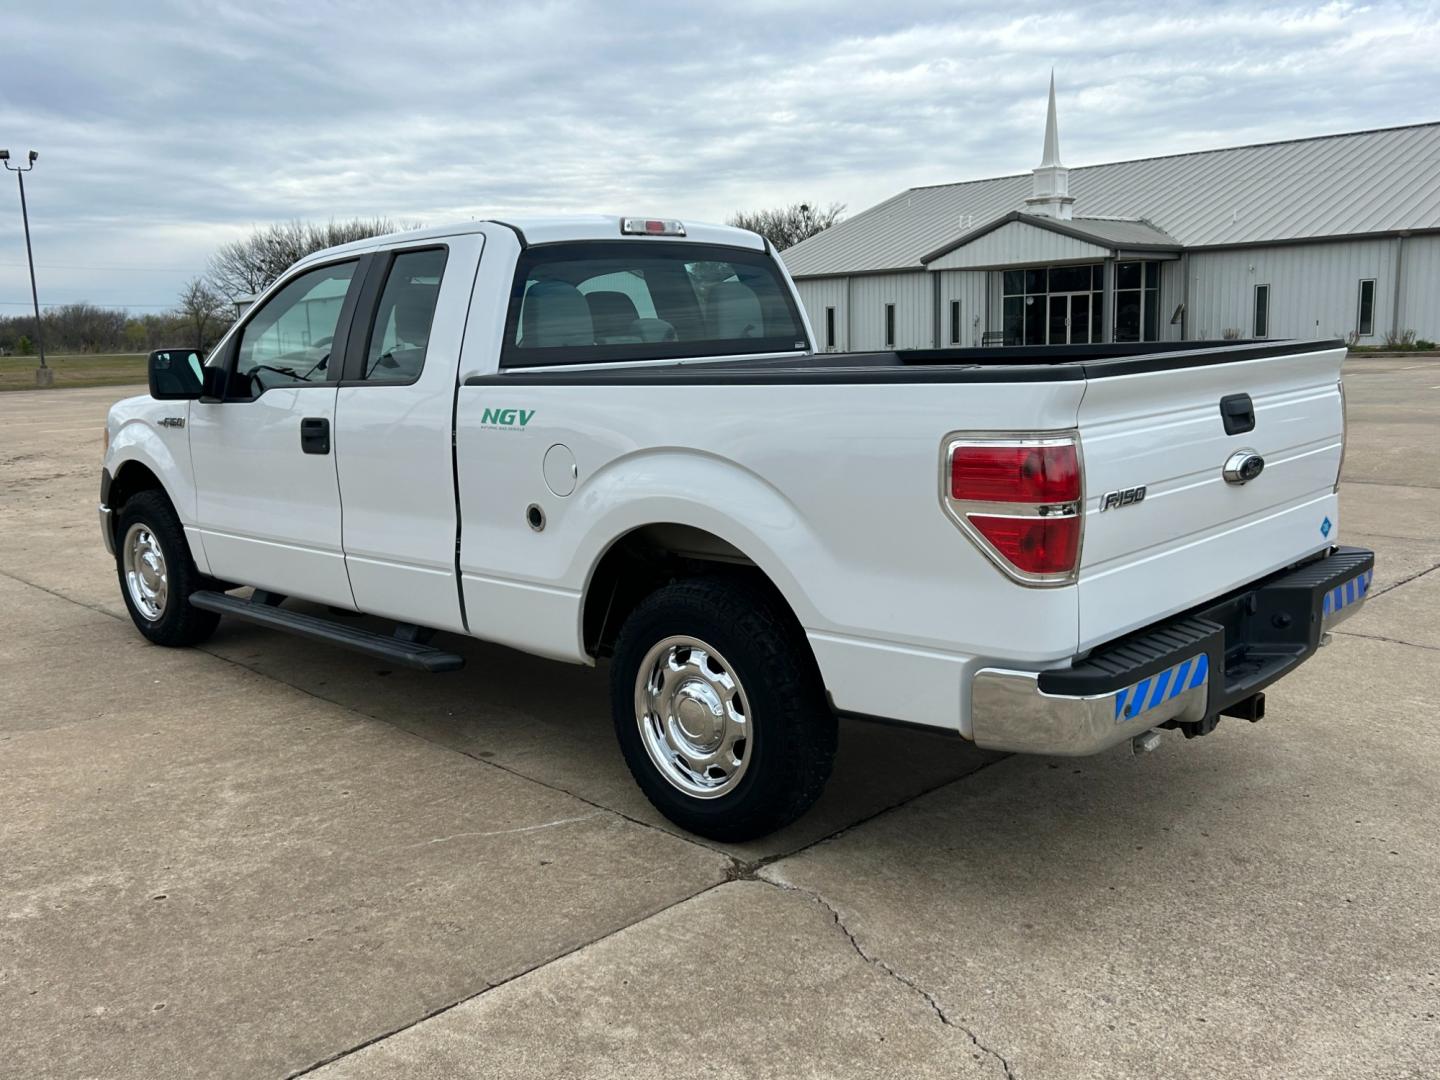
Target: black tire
(179,623)
(792,730)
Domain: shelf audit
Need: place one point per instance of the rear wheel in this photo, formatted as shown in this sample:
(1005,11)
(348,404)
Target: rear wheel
(719,709)
(157,574)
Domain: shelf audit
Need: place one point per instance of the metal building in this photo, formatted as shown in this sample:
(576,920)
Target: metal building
(1328,237)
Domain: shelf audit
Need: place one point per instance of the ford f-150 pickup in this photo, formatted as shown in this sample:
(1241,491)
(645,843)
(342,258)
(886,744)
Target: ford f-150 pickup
(600,438)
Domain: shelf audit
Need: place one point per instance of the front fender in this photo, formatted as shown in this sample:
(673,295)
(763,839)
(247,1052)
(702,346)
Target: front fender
(136,440)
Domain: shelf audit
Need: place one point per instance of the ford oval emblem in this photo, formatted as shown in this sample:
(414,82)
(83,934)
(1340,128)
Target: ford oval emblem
(1243,466)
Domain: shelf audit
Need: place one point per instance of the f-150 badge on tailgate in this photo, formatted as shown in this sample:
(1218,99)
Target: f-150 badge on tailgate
(1114,500)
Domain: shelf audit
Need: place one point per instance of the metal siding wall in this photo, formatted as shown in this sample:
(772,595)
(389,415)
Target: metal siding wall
(817,294)
(967,286)
(1420,295)
(911,295)
(1172,287)
(1314,288)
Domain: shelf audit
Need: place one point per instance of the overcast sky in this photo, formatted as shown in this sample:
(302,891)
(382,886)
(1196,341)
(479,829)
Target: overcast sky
(166,129)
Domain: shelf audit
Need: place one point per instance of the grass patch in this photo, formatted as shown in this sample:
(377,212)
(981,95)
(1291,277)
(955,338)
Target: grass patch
(106,369)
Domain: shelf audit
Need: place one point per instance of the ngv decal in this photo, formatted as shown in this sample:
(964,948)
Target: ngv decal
(514,419)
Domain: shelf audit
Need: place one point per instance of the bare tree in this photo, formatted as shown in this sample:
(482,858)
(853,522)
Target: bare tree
(245,267)
(203,310)
(786,226)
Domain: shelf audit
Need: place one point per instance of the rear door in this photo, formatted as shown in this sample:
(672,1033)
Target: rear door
(394,423)
(1192,534)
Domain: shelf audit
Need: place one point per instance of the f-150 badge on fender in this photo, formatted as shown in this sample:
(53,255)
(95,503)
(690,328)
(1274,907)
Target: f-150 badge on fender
(1114,500)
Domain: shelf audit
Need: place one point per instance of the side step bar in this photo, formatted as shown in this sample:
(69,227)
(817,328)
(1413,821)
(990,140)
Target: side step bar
(265,611)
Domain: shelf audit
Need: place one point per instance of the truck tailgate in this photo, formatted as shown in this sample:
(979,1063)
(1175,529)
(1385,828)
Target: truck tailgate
(1194,535)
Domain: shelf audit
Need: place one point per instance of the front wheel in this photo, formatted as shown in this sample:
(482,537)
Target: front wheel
(157,574)
(719,709)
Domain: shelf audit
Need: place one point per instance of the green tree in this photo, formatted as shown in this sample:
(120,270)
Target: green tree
(24,346)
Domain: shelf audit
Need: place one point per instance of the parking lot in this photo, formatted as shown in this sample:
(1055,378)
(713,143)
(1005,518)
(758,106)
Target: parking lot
(267,857)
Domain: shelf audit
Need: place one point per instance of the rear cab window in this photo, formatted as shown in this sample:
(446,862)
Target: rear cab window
(608,301)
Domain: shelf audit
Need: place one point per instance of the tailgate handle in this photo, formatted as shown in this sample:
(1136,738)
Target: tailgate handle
(1238,412)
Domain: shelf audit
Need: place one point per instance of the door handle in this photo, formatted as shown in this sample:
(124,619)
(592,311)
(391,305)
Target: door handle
(315,435)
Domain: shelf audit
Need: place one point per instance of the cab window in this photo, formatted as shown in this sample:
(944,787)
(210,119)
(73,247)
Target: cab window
(289,340)
(400,334)
(634,300)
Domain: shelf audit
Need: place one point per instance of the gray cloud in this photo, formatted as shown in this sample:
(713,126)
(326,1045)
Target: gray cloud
(165,129)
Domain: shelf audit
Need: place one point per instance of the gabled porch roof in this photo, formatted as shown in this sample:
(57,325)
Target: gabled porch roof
(1021,239)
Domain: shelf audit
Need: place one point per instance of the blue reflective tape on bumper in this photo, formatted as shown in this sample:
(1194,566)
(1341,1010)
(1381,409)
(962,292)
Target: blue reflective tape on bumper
(1148,693)
(1347,593)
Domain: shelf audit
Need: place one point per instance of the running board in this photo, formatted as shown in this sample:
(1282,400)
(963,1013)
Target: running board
(265,611)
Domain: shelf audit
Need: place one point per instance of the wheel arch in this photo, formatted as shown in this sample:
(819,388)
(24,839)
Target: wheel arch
(645,557)
(140,460)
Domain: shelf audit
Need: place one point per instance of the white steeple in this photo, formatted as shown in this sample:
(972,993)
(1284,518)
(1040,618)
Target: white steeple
(1051,196)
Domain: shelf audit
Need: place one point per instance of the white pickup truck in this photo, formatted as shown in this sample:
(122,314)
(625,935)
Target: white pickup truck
(613,438)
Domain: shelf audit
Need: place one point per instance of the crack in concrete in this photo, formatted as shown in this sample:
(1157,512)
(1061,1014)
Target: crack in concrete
(505,832)
(1387,640)
(904,980)
(1387,483)
(1404,581)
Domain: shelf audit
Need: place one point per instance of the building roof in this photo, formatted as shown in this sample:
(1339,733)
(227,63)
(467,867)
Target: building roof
(1129,233)
(1359,183)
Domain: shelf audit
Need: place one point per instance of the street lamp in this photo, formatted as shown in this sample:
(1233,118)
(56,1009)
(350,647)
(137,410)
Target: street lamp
(44,376)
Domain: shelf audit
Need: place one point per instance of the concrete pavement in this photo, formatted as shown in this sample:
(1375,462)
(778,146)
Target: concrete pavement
(259,857)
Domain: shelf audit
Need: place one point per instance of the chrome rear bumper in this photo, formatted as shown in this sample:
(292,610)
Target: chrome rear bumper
(1010,712)
(1187,670)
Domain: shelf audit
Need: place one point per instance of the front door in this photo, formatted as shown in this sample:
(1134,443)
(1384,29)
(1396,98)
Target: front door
(268,498)
(1069,319)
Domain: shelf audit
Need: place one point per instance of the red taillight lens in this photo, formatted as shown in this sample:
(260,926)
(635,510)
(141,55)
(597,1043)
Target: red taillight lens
(1035,545)
(1020,501)
(1028,474)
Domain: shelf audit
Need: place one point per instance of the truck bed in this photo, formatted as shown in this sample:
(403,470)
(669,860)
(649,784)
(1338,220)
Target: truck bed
(1016,363)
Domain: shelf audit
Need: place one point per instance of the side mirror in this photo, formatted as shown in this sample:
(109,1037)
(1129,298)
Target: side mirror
(214,382)
(175,374)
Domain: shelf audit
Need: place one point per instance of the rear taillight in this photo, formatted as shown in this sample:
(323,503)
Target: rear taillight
(1023,474)
(1020,500)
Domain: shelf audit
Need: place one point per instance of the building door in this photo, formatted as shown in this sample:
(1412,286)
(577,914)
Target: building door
(1069,319)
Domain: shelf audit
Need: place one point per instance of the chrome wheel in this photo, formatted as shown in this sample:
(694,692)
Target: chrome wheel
(143,562)
(693,716)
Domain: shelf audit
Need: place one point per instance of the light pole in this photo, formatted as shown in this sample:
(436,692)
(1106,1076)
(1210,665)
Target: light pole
(43,375)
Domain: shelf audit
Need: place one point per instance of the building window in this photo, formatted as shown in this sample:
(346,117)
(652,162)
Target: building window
(954,322)
(1137,301)
(889,326)
(1365,319)
(1262,311)
(1055,305)
(829,328)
